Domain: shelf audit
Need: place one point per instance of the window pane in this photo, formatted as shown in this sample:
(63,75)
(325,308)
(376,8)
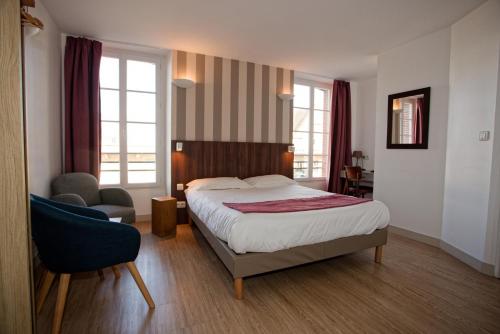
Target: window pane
(319,165)
(110,137)
(110,105)
(321,121)
(142,177)
(141,168)
(301,142)
(141,138)
(141,161)
(320,144)
(109,177)
(141,107)
(301,96)
(300,166)
(109,73)
(300,119)
(320,99)
(141,76)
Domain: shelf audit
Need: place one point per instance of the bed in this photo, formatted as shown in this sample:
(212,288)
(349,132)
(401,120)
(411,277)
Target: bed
(246,242)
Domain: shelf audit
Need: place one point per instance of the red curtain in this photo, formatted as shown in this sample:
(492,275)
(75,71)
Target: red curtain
(417,121)
(340,133)
(82,59)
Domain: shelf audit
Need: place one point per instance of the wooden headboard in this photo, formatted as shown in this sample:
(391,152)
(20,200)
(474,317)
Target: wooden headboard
(201,159)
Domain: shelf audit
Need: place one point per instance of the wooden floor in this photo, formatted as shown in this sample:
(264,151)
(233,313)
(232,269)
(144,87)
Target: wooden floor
(417,289)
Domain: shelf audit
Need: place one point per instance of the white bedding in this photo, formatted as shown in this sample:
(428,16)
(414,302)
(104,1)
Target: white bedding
(269,232)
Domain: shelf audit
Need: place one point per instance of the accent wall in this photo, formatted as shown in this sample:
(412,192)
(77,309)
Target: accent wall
(231,100)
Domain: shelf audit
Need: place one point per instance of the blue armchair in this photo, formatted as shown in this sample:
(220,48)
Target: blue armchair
(74,239)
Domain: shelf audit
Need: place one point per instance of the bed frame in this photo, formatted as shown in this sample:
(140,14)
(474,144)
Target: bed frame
(200,159)
(249,264)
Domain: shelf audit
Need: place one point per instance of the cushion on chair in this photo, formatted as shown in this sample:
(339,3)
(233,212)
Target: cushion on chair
(126,213)
(83,184)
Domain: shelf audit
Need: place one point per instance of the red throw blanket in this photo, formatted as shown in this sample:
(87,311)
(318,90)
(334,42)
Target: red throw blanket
(297,204)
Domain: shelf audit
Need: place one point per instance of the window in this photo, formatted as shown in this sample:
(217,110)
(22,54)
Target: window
(406,124)
(130,104)
(311,122)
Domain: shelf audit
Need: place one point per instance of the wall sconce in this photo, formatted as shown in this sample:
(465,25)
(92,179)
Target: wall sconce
(178,146)
(291,148)
(31,24)
(286,96)
(183,83)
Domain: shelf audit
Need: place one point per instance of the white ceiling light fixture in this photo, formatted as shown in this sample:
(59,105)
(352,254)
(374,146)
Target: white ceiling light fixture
(184,82)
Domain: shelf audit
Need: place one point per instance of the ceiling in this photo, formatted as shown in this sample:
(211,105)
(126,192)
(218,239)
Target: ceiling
(332,38)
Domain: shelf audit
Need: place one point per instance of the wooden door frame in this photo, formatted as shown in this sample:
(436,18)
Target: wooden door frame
(16,283)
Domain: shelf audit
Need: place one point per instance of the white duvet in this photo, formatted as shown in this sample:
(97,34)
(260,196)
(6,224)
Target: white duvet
(269,232)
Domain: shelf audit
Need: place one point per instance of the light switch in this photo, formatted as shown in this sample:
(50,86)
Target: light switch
(484,135)
(181,204)
(180,186)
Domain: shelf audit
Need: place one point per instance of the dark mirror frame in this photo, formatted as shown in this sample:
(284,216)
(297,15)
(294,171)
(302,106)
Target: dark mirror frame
(425,118)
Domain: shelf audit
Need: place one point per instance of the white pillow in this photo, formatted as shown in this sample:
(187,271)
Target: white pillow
(218,183)
(269,181)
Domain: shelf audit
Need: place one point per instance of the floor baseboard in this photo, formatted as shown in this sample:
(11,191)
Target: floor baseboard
(142,218)
(485,268)
(480,266)
(415,236)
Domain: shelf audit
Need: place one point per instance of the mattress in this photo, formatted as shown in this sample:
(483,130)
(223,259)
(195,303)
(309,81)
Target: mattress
(269,232)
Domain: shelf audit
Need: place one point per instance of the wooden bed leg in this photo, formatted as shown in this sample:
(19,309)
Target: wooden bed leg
(238,288)
(378,254)
(190,220)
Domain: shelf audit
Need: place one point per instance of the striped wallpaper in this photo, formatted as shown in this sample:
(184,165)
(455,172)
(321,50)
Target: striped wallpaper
(232,100)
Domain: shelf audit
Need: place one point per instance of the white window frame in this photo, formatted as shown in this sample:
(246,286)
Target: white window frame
(323,85)
(123,55)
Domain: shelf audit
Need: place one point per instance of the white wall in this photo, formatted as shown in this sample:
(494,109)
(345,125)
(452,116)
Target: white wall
(471,198)
(411,182)
(364,107)
(43,103)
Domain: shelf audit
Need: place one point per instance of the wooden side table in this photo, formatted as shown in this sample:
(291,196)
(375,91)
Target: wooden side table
(164,216)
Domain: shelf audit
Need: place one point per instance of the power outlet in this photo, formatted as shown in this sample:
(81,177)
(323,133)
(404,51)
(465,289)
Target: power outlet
(181,204)
(180,186)
(484,135)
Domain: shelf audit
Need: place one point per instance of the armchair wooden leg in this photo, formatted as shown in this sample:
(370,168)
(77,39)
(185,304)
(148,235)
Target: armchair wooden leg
(62,292)
(101,274)
(44,289)
(116,271)
(140,283)
(238,288)
(378,254)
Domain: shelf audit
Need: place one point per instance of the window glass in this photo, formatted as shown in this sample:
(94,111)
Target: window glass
(109,73)
(128,143)
(311,127)
(141,107)
(301,96)
(301,119)
(141,76)
(110,105)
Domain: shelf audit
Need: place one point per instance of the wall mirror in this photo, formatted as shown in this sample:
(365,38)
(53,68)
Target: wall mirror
(408,119)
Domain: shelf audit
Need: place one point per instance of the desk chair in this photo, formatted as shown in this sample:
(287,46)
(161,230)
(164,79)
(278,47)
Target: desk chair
(353,175)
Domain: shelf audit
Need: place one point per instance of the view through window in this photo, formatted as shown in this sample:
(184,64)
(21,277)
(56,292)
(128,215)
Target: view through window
(129,108)
(311,122)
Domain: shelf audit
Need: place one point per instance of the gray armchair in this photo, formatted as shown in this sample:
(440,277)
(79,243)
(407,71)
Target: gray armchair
(82,189)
